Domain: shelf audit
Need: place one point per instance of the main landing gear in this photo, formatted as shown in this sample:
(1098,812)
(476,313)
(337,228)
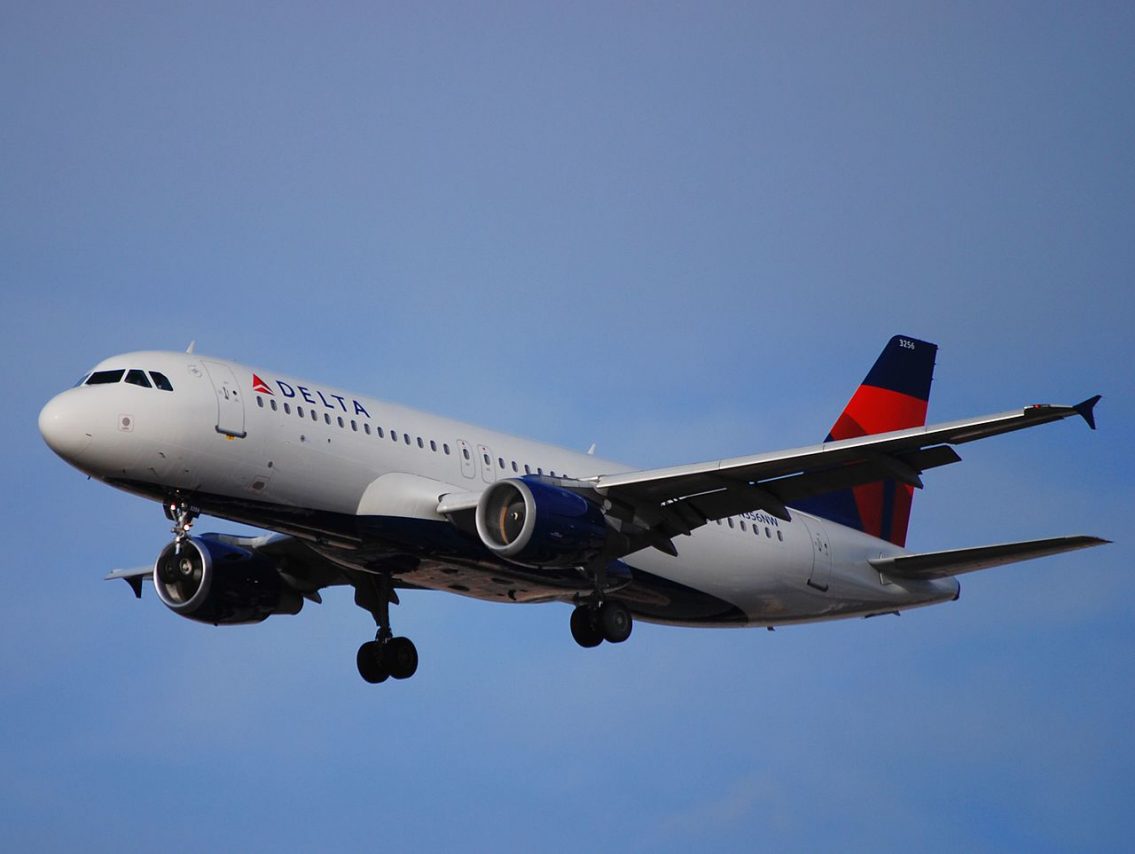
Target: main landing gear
(610,621)
(597,618)
(386,656)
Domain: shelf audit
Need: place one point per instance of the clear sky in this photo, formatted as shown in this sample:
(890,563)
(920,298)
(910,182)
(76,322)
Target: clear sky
(681,231)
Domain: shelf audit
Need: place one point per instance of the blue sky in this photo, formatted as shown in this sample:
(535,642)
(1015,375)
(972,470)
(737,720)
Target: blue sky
(681,231)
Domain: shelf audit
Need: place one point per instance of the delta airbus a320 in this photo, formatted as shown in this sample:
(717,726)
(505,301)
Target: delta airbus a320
(381,497)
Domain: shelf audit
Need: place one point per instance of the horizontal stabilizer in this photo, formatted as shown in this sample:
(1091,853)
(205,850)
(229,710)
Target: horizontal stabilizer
(929,565)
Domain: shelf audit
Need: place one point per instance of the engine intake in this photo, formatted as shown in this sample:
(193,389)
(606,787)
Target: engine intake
(208,580)
(536,524)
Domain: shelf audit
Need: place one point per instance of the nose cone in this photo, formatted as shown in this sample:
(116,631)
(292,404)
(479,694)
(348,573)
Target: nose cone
(62,427)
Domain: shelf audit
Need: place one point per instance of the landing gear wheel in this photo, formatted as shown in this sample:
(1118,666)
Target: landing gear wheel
(401,657)
(615,621)
(372,662)
(584,628)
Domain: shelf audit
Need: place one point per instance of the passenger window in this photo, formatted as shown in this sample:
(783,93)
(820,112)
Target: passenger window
(393,435)
(485,457)
(272,403)
(340,420)
(105,377)
(260,401)
(314,415)
(768,533)
(742,524)
(780,536)
(730,521)
(160,381)
(445,447)
(465,453)
(421,444)
(501,461)
(378,432)
(366,427)
(406,436)
(326,418)
(514,466)
(354,425)
(287,408)
(299,411)
(527,469)
(433,446)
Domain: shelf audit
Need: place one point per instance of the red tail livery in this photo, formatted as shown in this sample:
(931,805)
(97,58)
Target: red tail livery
(893,396)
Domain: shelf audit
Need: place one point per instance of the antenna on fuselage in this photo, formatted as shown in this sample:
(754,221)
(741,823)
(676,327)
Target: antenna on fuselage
(591,450)
(192,346)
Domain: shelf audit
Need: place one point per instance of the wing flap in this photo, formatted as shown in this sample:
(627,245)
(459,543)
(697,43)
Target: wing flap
(931,565)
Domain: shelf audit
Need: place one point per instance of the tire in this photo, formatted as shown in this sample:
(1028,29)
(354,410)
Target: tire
(584,629)
(401,658)
(371,660)
(615,622)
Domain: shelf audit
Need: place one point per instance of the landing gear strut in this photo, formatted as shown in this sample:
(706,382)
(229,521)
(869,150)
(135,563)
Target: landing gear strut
(386,656)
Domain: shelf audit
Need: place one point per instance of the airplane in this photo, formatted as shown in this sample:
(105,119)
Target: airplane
(381,497)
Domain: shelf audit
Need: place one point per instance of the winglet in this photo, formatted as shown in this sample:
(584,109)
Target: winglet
(1084,409)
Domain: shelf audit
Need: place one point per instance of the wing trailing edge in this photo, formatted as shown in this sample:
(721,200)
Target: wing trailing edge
(930,565)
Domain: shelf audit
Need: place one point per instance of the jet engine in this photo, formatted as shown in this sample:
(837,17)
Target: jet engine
(537,524)
(211,581)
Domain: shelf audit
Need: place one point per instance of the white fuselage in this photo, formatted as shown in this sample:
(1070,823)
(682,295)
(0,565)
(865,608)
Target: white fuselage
(289,455)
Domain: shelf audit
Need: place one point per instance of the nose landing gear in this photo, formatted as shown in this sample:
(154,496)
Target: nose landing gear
(182,514)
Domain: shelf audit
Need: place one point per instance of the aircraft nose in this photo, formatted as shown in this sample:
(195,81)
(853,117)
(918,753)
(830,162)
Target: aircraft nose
(61,427)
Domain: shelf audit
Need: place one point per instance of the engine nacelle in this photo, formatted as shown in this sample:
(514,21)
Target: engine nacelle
(218,583)
(540,525)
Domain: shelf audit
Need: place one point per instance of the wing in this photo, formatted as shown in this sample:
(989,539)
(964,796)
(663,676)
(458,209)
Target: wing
(672,501)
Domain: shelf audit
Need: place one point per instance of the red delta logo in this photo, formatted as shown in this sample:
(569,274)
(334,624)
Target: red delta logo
(300,392)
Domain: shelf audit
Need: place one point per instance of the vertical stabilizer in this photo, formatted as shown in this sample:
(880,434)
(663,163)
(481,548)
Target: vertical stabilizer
(894,396)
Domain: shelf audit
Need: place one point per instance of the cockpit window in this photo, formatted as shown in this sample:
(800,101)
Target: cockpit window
(82,380)
(104,377)
(160,381)
(136,377)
